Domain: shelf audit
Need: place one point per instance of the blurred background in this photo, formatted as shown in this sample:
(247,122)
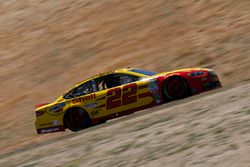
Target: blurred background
(48,46)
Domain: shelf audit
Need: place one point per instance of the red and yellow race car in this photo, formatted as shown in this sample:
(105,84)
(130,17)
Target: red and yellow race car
(120,92)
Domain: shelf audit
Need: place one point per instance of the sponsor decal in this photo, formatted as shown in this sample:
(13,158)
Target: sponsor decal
(50,129)
(118,97)
(57,108)
(56,122)
(157,98)
(91,105)
(154,89)
(153,86)
(83,99)
(94,113)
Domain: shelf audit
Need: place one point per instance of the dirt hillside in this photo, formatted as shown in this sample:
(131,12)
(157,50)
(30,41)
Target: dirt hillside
(48,46)
(201,131)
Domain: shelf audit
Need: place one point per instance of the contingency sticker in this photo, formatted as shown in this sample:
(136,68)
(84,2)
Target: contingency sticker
(154,88)
(91,105)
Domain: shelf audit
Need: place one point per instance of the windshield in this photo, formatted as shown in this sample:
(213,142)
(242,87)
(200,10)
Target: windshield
(148,73)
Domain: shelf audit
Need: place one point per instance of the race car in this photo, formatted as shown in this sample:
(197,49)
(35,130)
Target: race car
(120,92)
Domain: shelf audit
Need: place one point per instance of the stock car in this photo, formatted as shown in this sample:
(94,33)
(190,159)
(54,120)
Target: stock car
(120,92)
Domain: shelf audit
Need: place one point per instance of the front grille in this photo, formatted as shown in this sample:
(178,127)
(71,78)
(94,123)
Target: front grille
(212,74)
(212,85)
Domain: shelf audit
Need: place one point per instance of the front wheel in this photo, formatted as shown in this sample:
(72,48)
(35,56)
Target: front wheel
(175,88)
(77,119)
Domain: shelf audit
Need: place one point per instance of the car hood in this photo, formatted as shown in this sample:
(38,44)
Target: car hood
(182,70)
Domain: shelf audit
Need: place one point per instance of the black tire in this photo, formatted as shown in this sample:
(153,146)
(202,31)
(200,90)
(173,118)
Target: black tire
(76,119)
(175,88)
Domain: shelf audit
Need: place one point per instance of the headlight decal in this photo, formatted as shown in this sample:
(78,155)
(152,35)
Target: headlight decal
(196,73)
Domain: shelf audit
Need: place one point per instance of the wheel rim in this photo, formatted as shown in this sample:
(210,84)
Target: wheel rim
(176,89)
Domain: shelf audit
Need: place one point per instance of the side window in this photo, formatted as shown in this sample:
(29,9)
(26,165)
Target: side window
(100,84)
(113,80)
(119,79)
(83,89)
(125,78)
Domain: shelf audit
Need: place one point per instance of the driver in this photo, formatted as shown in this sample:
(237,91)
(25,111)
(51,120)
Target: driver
(113,81)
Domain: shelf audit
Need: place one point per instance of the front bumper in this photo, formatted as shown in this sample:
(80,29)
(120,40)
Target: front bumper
(212,82)
(212,85)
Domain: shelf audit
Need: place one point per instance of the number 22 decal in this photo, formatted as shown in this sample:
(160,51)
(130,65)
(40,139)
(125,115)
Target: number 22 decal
(116,99)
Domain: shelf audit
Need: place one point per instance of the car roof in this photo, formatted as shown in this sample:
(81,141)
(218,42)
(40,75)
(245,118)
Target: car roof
(117,71)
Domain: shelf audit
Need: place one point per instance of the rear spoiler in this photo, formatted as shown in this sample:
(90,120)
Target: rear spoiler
(40,105)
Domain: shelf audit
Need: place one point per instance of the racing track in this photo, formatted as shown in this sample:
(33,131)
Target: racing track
(115,121)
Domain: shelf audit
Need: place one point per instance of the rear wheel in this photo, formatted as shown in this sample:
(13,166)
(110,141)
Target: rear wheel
(77,119)
(175,88)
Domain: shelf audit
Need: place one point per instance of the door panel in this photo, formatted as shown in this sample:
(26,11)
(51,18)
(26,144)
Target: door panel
(128,97)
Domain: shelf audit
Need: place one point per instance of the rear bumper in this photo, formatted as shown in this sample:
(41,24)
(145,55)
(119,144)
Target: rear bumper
(52,129)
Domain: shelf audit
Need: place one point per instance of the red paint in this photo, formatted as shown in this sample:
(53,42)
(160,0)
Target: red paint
(40,105)
(114,98)
(129,95)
